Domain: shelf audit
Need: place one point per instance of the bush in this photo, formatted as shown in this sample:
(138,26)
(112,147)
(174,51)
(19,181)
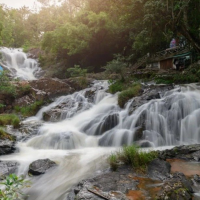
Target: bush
(9,119)
(132,155)
(117,66)
(117,86)
(29,110)
(13,187)
(5,86)
(131,92)
(77,71)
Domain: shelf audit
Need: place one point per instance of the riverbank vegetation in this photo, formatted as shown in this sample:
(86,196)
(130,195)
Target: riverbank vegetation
(9,119)
(131,155)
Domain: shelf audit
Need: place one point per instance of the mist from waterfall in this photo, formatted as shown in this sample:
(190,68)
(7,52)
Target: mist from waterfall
(18,65)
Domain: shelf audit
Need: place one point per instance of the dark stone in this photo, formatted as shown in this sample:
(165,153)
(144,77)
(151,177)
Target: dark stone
(176,187)
(7,147)
(186,152)
(117,183)
(158,169)
(39,167)
(7,167)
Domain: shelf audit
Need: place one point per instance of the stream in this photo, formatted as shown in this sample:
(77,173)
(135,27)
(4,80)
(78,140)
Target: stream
(87,126)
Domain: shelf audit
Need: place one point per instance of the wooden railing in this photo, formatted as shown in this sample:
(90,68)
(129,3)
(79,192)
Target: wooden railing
(161,55)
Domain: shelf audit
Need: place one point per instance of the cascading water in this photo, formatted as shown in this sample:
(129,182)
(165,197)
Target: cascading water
(18,65)
(90,126)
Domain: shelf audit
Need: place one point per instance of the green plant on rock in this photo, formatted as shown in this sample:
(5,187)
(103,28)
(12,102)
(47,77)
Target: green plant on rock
(13,188)
(30,109)
(117,86)
(132,155)
(113,161)
(9,119)
(131,92)
(77,71)
(4,135)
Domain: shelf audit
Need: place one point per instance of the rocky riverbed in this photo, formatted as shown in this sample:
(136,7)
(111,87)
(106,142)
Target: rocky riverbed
(160,181)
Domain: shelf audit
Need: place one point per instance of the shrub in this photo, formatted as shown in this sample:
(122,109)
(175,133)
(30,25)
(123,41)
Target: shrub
(77,71)
(13,187)
(117,86)
(9,119)
(131,92)
(5,86)
(132,155)
(118,66)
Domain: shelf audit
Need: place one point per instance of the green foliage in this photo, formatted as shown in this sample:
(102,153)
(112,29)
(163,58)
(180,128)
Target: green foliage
(113,161)
(77,71)
(9,119)
(13,188)
(5,86)
(117,86)
(132,155)
(129,93)
(4,135)
(29,110)
(117,66)
(2,105)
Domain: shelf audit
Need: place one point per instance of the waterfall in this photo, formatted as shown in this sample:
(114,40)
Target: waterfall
(88,125)
(18,65)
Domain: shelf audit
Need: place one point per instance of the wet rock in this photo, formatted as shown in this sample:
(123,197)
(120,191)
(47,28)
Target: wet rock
(176,187)
(52,87)
(149,93)
(7,167)
(158,169)
(186,152)
(39,167)
(7,147)
(111,184)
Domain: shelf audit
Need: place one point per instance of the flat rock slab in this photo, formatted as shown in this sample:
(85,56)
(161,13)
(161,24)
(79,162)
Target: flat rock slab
(185,152)
(158,169)
(39,167)
(7,167)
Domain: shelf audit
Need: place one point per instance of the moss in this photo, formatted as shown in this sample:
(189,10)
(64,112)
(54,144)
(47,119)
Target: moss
(117,86)
(4,135)
(29,110)
(131,92)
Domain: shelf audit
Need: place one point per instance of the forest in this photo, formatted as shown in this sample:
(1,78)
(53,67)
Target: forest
(90,33)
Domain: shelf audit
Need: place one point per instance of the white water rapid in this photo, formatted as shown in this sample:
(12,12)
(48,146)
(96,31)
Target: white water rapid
(18,65)
(88,125)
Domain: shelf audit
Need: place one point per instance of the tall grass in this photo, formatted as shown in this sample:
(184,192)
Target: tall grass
(131,155)
(9,119)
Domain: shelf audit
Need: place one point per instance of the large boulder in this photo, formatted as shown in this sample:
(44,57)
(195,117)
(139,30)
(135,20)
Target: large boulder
(7,167)
(158,169)
(51,86)
(39,167)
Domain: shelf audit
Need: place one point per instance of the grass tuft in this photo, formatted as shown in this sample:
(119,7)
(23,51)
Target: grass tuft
(131,155)
(131,92)
(9,119)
